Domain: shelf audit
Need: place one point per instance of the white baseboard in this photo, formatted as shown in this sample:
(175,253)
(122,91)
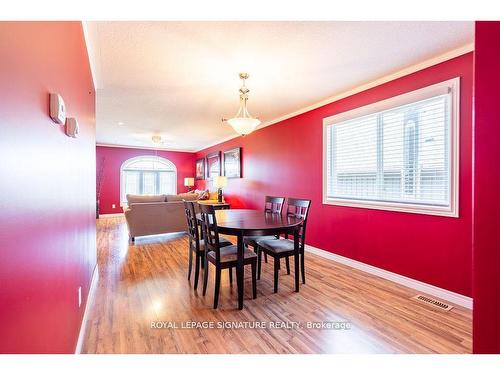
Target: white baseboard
(90,300)
(103,216)
(455,298)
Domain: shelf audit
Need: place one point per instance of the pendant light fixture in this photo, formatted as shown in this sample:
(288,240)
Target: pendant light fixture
(243,123)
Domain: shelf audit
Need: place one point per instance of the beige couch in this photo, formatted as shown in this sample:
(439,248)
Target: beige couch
(157,214)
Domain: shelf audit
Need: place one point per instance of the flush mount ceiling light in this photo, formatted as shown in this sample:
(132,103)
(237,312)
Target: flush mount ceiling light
(156,139)
(243,123)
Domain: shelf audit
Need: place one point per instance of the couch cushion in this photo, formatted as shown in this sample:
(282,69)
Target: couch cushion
(131,198)
(180,197)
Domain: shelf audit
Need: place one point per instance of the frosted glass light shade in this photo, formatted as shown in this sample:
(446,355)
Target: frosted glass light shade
(244,125)
(189,181)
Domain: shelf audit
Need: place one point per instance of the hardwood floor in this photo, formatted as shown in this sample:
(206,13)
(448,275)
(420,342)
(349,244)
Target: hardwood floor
(146,283)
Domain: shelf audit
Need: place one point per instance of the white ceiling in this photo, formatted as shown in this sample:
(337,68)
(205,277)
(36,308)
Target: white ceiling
(177,79)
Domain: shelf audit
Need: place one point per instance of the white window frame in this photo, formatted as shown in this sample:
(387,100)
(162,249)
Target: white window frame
(138,158)
(452,87)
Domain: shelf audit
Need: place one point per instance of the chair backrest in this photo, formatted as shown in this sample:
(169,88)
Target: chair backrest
(192,223)
(209,230)
(274,205)
(299,208)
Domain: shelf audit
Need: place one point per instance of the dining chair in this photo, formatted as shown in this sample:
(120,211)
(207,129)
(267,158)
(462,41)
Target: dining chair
(284,248)
(196,243)
(272,205)
(222,257)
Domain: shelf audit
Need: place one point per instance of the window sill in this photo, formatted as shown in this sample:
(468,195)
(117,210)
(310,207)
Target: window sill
(398,207)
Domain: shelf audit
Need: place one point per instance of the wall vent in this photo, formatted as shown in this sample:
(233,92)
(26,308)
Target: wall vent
(433,302)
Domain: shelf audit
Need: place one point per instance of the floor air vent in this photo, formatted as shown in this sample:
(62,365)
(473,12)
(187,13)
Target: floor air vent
(433,302)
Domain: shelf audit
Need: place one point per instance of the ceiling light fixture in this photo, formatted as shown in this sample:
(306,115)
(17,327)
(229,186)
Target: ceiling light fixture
(156,139)
(243,123)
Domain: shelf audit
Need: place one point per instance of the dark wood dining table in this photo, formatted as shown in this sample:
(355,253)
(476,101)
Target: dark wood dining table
(243,222)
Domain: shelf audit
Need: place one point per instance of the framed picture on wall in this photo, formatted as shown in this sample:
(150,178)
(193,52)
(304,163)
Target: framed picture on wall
(213,165)
(232,163)
(200,169)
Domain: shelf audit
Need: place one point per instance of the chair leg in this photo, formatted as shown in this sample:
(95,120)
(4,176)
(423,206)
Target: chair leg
(230,269)
(303,268)
(259,262)
(254,279)
(197,271)
(276,273)
(296,271)
(190,266)
(205,277)
(217,287)
(287,259)
(265,257)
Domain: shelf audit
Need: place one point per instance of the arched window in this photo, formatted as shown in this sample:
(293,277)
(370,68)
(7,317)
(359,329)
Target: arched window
(147,175)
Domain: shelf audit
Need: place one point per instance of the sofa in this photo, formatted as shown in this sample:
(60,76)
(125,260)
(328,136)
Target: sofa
(156,214)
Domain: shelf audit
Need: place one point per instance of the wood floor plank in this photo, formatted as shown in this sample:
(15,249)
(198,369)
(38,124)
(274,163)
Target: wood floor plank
(146,282)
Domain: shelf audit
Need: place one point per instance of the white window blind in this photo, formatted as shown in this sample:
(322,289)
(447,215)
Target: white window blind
(399,154)
(147,175)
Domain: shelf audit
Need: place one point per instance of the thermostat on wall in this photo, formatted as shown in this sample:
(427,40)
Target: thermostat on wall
(71,127)
(57,109)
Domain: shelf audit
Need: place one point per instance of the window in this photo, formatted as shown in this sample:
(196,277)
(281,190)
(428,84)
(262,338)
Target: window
(147,175)
(400,154)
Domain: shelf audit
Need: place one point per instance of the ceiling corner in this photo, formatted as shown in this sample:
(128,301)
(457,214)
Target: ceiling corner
(89,36)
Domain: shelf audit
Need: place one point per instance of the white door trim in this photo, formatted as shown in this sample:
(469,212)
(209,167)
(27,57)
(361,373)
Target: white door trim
(88,305)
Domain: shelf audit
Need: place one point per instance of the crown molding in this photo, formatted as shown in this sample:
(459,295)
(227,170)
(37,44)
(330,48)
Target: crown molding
(143,147)
(225,139)
(355,90)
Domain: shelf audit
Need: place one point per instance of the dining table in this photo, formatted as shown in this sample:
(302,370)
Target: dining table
(246,222)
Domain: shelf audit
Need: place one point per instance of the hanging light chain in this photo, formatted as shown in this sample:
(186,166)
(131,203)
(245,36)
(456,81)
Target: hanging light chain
(243,89)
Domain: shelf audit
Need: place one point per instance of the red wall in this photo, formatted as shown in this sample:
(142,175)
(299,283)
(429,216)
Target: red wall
(47,187)
(286,159)
(486,326)
(112,159)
